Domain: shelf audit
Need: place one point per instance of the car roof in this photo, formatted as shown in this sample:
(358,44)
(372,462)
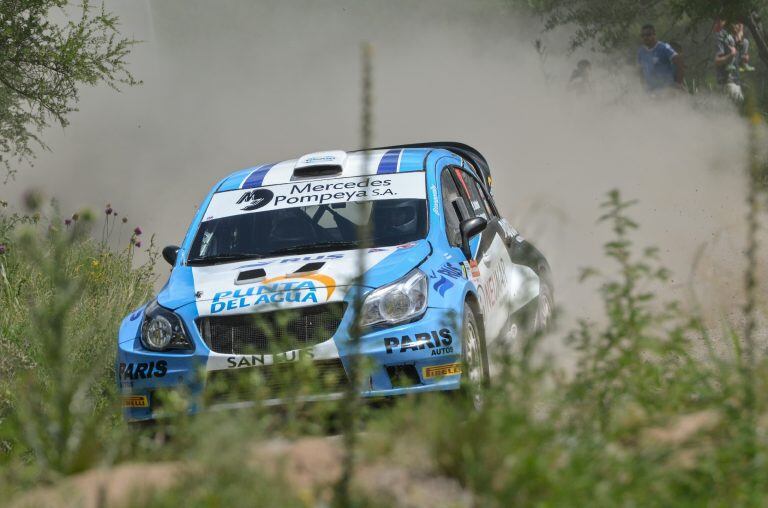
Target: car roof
(363,162)
(476,161)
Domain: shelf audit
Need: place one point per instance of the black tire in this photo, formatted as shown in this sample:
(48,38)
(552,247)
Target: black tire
(545,304)
(475,376)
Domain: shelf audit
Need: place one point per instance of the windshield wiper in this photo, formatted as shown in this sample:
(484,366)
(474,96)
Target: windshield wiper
(223,258)
(315,247)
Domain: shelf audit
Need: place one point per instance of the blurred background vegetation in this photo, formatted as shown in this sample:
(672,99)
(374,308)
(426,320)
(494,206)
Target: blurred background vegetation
(661,409)
(613,27)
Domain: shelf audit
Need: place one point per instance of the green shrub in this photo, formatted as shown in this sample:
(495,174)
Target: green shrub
(641,421)
(63,295)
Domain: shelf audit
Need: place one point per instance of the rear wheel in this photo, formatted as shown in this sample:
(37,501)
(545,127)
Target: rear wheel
(543,317)
(474,363)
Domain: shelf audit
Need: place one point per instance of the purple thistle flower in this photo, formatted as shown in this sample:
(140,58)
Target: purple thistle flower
(67,222)
(108,211)
(2,249)
(138,245)
(114,213)
(137,231)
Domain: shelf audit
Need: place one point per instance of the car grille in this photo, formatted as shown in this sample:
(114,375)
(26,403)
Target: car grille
(271,332)
(281,380)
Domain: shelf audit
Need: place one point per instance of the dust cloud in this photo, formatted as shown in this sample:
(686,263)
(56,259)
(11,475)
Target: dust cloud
(233,83)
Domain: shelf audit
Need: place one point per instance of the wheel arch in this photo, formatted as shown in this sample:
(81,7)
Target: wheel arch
(471,299)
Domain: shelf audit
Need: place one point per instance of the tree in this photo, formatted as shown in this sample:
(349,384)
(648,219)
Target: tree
(609,22)
(44,62)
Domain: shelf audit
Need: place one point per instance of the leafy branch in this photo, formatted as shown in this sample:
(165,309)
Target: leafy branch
(43,65)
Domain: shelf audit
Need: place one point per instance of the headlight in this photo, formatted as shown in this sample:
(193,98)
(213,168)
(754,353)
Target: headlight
(162,329)
(403,300)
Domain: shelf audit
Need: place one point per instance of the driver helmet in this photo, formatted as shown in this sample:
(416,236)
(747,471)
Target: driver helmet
(399,217)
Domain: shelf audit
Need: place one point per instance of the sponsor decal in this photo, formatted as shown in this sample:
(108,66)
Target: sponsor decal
(450,369)
(324,351)
(319,158)
(142,370)
(470,267)
(309,193)
(491,290)
(317,192)
(304,288)
(136,315)
(135,401)
(435,201)
(240,361)
(255,199)
(447,269)
(442,285)
(322,257)
(439,342)
(318,257)
(444,273)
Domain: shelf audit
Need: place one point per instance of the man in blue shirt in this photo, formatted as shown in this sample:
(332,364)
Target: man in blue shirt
(661,66)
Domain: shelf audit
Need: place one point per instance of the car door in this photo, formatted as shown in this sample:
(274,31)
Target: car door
(523,264)
(490,260)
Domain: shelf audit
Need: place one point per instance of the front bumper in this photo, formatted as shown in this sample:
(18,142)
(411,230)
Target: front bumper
(421,356)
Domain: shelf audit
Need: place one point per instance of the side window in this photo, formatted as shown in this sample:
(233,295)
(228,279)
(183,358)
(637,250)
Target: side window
(452,204)
(479,206)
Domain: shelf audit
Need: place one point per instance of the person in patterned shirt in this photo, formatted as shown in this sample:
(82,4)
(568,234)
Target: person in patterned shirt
(726,61)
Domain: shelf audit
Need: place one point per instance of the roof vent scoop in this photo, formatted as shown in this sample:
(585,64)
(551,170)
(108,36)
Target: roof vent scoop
(250,276)
(310,267)
(320,164)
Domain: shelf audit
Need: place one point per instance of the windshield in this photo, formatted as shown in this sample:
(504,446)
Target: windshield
(275,228)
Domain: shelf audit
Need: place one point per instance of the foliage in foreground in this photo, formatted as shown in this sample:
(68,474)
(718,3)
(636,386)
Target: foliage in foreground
(63,296)
(644,419)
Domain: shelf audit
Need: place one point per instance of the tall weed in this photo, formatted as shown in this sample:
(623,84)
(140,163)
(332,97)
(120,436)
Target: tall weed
(63,296)
(641,421)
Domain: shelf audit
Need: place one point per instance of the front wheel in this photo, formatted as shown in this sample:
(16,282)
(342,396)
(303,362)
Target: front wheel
(474,361)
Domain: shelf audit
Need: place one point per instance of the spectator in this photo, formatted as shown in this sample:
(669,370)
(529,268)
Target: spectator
(581,78)
(661,66)
(726,61)
(742,47)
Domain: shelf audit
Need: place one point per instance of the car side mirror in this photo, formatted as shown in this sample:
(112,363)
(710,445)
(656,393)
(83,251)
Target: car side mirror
(170,253)
(468,229)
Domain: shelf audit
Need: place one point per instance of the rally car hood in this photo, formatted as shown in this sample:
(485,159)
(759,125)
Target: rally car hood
(303,279)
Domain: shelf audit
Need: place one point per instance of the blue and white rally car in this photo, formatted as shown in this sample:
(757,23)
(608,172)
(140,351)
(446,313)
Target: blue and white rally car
(269,273)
